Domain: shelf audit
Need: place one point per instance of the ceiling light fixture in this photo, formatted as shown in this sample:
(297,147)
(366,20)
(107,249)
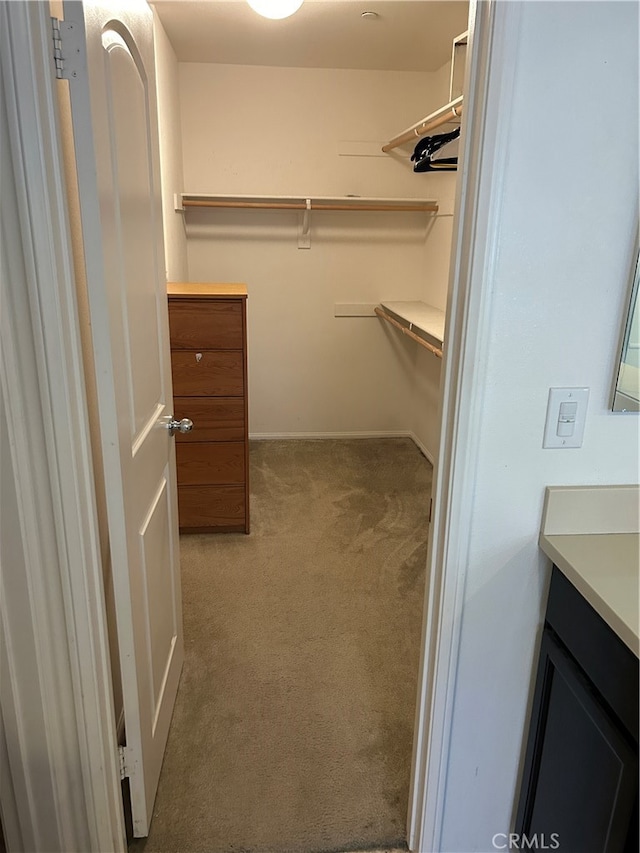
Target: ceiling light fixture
(275,9)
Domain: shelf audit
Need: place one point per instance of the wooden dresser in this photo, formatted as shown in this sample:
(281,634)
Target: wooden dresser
(208,333)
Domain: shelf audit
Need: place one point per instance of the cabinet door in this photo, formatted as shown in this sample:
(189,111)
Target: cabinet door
(580,775)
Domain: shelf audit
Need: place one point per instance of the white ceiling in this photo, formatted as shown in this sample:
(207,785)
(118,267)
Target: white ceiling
(407,35)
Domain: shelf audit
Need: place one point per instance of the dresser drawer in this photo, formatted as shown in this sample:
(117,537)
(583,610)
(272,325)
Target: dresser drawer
(212,508)
(210,463)
(204,324)
(214,418)
(215,374)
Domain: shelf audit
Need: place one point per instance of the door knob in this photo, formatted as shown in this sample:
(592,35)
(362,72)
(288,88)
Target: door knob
(185,425)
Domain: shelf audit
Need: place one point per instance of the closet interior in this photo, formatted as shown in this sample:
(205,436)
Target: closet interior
(298,181)
(311,163)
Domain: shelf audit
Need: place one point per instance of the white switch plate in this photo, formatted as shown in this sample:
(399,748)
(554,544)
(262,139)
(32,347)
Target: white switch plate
(557,396)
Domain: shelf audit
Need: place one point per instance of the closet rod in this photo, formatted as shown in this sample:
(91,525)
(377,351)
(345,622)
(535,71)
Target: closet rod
(445,115)
(431,207)
(384,316)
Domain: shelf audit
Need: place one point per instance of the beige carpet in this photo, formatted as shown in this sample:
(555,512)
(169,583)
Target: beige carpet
(292,731)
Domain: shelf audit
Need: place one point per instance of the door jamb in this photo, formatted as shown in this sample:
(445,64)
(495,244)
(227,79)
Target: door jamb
(494,28)
(66,608)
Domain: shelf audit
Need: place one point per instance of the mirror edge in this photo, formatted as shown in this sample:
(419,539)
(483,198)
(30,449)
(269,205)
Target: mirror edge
(622,403)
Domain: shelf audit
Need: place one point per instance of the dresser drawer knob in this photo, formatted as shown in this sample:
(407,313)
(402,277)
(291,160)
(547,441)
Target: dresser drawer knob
(198,357)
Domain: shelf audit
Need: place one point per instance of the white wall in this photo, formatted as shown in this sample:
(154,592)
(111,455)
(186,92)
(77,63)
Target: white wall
(568,213)
(170,136)
(260,130)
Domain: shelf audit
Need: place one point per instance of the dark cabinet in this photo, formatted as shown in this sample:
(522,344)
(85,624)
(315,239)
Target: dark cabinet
(579,788)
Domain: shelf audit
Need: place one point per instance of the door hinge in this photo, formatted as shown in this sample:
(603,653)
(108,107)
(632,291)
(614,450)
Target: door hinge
(68,50)
(122,760)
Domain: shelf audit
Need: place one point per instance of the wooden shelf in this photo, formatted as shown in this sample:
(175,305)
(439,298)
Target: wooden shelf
(305,206)
(304,203)
(449,114)
(421,322)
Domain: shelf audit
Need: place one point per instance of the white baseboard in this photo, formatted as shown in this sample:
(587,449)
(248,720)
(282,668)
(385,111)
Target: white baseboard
(421,447)
(274,436)
(403,433)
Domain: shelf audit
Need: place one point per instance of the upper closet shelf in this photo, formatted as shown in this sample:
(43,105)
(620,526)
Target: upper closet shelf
(421,322)
(305,204)
(451,112)
(286,202)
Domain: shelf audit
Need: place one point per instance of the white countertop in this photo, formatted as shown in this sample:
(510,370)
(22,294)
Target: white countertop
(603,567)
(591,534)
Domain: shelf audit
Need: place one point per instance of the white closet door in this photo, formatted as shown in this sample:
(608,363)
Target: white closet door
(116,138)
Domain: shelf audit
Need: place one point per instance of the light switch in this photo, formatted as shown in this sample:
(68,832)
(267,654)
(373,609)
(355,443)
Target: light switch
(567,419)
(566,415)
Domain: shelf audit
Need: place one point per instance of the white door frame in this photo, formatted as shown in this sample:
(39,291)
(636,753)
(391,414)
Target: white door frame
(494,28)
(66,608)
(61,789)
